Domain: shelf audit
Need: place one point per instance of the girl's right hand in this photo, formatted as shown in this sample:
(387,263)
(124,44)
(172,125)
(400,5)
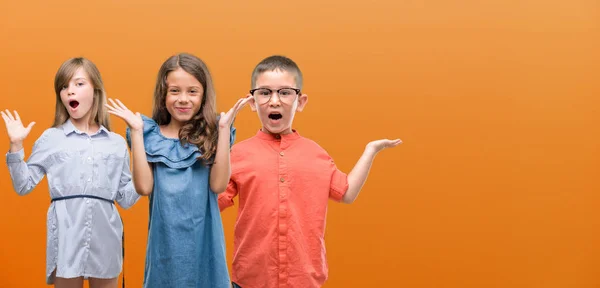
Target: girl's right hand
(134,121)
(14,127)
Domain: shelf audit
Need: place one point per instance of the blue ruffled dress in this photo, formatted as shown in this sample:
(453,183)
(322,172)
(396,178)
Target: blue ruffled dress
(186,246)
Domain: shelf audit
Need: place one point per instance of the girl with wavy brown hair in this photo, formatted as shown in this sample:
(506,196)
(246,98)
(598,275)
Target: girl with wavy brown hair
(181,161)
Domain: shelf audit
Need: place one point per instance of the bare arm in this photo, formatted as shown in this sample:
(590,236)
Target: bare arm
(358,175)
(221,169)
(142,177)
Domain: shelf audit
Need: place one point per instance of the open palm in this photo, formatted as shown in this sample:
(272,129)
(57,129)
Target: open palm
(227,118)
(134,121)
(14,127)
(381,144)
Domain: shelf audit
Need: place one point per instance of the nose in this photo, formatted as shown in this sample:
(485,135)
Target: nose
(274,100)
(70,90)
(183,98)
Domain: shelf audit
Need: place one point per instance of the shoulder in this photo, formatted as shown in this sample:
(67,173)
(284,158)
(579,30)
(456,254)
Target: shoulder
(244,147)
(49,136)
(165,150)
(311,145)
(116,139)
(151,130)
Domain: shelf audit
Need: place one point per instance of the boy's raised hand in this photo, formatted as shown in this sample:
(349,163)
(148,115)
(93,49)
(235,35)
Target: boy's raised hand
(14,127)
(378,145)
(227,118)
(134,121)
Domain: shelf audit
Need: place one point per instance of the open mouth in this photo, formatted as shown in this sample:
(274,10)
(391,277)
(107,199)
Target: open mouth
(275,116)
(73,104)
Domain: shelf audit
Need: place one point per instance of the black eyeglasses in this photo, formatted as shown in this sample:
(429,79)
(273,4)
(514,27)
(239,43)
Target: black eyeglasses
(286,95)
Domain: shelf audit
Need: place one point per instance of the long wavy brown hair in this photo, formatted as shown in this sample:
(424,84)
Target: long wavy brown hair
(99,113)
(201,130)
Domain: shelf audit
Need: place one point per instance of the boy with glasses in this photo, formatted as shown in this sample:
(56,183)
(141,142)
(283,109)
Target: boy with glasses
(284,182)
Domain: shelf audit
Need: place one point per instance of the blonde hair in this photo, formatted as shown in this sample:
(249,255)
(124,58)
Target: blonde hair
(64,74)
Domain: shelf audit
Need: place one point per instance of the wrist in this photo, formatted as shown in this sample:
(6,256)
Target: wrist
(15,147)
(136,132)
(370,150)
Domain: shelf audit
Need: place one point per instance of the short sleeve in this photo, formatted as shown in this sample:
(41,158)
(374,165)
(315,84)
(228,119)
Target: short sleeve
(226,198)
(339,183)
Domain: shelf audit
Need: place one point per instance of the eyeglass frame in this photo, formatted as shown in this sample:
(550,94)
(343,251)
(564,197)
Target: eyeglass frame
(271,94)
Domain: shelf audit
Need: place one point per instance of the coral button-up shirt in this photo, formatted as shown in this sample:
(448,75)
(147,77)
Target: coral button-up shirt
(284,184)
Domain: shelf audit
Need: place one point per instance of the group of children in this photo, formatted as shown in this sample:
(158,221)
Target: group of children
(184,160)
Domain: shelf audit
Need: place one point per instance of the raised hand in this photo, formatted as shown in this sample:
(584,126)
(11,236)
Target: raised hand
(14,127)
(134,121)
(378,145)
(228,118)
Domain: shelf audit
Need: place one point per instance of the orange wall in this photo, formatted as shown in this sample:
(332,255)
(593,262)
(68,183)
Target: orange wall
(496,101)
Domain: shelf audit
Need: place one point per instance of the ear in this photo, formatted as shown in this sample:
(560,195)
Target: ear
(252,102)
(302,100)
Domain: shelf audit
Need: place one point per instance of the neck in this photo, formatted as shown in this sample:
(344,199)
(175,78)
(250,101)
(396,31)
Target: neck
(171,130)
(84,125)
(284,132)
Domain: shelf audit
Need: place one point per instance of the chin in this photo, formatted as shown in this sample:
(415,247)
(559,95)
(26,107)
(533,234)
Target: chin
(75,116)
(278,130)
(182,119)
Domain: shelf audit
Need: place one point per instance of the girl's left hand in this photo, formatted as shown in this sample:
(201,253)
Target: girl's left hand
(227,118)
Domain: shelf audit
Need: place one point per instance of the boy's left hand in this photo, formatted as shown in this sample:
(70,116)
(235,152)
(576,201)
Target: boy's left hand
(227,118)
(378,145)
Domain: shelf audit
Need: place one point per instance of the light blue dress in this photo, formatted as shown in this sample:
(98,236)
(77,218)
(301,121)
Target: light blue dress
(186,246)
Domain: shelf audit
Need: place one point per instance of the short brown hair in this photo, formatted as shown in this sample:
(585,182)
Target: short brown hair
(277,62)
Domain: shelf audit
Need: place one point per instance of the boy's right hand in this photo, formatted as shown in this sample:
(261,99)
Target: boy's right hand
(134,121)
(15,129)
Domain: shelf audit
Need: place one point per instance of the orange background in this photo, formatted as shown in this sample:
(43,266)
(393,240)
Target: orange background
(496,101)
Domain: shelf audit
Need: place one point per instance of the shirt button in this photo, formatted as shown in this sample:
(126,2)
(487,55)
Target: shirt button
(87,201)
(281,153)
(89,179)
(281,179)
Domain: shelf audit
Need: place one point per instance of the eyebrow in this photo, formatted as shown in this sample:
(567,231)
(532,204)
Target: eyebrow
(80,78)
(267,87)
(176,86)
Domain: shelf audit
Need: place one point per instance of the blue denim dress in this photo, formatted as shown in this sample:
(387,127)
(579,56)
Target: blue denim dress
(186,246)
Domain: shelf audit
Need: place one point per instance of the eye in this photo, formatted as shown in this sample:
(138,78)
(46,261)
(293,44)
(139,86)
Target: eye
(64,87)
(264,92)
(173,90)
(79,84)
